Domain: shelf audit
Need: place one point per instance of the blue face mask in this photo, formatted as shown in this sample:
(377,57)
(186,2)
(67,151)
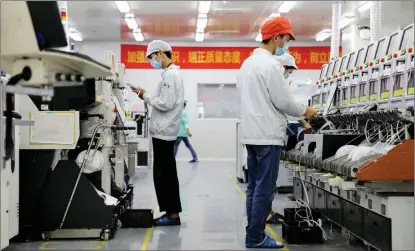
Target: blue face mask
(155,63)
(281,51)
(286,76)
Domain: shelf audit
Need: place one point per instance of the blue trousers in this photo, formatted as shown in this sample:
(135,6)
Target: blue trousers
(263,164)
(188,145)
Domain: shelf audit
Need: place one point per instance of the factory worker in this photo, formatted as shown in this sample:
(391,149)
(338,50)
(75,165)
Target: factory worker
(265,99)
(288,63)
(184,134)
(167,104)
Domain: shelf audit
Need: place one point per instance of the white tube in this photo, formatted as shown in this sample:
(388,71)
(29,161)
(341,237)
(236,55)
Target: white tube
(375,20)
(335,29)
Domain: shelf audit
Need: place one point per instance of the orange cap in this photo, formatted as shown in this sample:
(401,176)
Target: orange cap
(276,26)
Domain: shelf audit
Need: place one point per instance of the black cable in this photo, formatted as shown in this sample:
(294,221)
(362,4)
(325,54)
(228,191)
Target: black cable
(9,145)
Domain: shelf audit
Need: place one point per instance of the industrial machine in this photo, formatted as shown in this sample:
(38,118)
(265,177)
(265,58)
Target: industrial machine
(316,97)
(357,169)
(347,76)
(65,175)
(354,79)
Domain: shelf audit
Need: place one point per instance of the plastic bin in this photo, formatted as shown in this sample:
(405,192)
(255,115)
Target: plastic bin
(301,233)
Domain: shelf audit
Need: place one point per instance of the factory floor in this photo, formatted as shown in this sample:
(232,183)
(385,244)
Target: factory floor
(213,217)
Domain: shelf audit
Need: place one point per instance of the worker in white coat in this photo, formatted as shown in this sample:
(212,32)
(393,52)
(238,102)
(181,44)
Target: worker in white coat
(167,103)
(265,99)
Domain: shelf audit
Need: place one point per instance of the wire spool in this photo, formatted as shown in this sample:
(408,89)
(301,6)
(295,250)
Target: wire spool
(94,163)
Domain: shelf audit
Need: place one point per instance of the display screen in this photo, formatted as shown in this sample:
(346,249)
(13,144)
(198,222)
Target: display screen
(330,70)
(369,53)
(392,43)
(384,83)
(352,59)
(353,91)
(362,91)
(360,58)
(337,98)
(380,51)
(316,100)
(411,83)
(398,85)
(324,97)
(337,65)
(407,38)
(372,87)
(323,71)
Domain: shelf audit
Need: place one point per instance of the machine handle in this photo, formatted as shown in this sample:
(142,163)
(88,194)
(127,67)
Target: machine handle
(333,202)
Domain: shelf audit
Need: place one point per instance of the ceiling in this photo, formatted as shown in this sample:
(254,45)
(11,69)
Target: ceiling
(176,20)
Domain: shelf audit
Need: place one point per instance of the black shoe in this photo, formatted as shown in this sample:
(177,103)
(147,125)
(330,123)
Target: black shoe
(165,220)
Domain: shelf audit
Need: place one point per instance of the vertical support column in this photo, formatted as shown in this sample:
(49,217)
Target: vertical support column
(375,20)
(335,29)
(63,9)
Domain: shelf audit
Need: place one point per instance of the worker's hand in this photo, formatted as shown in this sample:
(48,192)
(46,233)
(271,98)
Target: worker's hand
(141,93)
(190,134)
(133,88)
(310,113)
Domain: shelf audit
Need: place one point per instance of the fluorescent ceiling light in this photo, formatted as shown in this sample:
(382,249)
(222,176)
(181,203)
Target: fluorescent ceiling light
(123,6)
(286,6)
(75,35)
(200,36)
(200,30)
(204,6)
(258,37)
(131,22)
(364,6)
(138,36)
(323,35)
(345,36)
(201,23)
(274,15)
(346,19)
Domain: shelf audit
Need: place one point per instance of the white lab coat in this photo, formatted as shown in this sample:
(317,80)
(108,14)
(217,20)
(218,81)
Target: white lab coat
(167,103)
(265,99)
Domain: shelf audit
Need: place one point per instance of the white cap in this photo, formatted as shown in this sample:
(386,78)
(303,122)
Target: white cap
(287,60)
(157,45)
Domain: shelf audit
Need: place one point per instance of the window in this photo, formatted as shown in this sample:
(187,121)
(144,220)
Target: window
(217,101)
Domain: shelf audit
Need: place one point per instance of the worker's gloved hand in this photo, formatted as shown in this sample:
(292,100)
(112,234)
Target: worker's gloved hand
(310,113)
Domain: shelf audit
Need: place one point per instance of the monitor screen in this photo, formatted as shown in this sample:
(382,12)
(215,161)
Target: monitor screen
(407,38)
(352,59)
(360,58)
(337,65)
(323,71)
(343,64)
(380,50)
(392,43)
(47,24)
(369,53)
(330,70)
(315,100)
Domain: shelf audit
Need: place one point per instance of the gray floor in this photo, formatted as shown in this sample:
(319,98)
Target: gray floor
(213,217)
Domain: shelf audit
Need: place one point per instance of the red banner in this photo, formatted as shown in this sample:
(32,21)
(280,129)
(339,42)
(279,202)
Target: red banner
(307,58)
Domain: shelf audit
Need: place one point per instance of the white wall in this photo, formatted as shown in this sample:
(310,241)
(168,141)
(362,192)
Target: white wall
(212,138)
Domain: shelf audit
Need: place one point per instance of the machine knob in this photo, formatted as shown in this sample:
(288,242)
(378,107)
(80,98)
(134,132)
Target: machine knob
(59,77)
(80,78)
